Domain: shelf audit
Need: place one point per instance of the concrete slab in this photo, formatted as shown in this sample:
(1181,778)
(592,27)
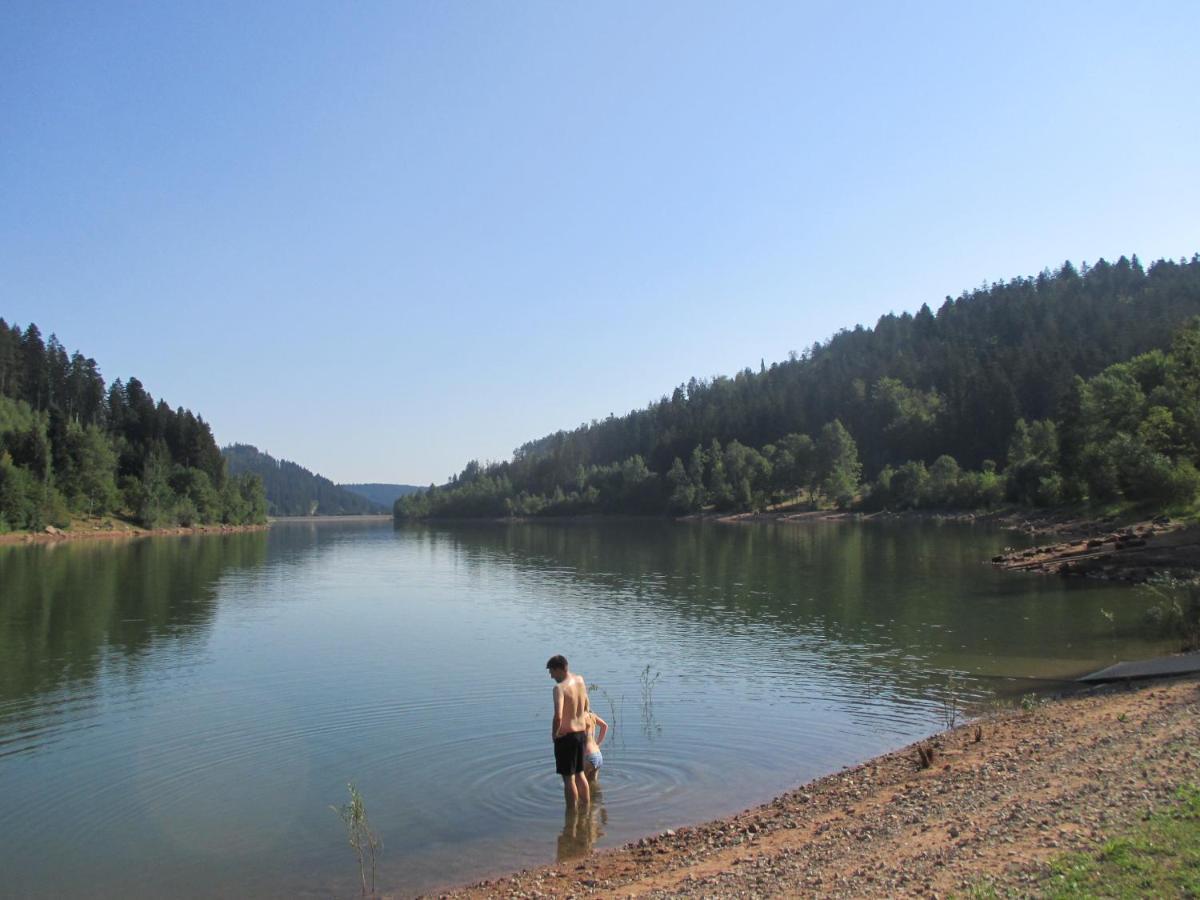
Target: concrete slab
(1183,664)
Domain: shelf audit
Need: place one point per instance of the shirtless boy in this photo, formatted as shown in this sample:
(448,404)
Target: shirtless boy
(569,730)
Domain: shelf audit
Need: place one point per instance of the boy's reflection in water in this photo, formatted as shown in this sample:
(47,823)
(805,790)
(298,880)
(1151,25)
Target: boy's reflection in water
(582,827)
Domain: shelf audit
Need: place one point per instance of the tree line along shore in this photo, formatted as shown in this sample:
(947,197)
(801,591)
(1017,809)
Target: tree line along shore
(73,449)
(82,458)
(1078,386)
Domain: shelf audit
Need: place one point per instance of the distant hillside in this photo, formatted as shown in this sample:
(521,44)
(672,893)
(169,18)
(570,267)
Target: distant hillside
(1024,375)
(292,490)
(383,494)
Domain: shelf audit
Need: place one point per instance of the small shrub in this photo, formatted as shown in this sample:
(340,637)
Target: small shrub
(186,513)
(55,512)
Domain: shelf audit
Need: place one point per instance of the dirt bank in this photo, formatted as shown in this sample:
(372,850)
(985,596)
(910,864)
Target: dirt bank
(1134,553)
(1062,523)
(1105,548)
(1001,798)
(117,529)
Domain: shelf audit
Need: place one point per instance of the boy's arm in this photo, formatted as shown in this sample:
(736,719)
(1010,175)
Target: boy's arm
(558,711)
(603,729)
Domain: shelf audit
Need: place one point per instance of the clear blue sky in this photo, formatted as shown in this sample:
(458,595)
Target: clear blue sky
(382,239)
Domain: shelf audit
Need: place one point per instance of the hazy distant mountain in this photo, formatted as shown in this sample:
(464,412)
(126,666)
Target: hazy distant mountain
(383,494)
(292,490)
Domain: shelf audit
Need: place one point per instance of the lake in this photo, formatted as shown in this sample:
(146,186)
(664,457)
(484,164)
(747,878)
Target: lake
(178,715)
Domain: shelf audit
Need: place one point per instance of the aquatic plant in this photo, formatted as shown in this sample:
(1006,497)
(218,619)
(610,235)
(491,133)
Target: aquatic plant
(952,701)
(363,839)
(648,681)
(649,726)
(1177,612)
(1112,629)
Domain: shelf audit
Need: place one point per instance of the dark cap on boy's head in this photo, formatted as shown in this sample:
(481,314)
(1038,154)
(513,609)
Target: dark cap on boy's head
(558,661)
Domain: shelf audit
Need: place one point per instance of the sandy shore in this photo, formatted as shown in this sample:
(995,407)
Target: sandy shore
(112,527)
(1003,795)
(119,530)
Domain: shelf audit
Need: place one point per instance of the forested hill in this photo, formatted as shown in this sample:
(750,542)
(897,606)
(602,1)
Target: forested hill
(383,494)
(953,383)
(292,490)
(72,446)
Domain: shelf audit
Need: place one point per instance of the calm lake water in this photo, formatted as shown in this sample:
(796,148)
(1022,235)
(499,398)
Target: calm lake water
(177,715)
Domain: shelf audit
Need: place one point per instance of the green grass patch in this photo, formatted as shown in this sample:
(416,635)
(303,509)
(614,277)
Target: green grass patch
(1160,858)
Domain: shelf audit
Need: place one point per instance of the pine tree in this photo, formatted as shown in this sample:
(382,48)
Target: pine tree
(838,464)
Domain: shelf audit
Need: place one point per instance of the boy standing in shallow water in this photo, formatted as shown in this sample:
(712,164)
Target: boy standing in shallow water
(569,730)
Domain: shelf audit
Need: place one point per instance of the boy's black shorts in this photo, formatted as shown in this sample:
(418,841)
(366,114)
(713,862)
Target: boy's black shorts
(568,753)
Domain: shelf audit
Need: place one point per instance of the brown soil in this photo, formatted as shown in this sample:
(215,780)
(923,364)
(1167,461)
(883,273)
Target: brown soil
(114,528)
(1063,523)
(1001,797)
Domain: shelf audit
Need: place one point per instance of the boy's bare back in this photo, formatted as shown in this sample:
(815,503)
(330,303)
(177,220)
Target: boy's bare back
(572,716)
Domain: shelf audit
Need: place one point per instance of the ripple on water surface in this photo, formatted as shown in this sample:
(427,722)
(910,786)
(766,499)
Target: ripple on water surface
(410,662)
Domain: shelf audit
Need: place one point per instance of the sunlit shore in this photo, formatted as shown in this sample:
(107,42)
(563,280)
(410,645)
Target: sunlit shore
(112,527)
(373,517)
(117,529)
(1003,797)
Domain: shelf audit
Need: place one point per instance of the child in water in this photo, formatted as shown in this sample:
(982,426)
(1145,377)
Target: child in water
(593,759)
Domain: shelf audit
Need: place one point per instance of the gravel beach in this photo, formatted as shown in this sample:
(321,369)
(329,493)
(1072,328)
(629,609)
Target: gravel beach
(999,797)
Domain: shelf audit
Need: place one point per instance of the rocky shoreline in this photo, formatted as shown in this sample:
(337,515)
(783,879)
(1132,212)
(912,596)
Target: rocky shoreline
(1134,553)
(987,803)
